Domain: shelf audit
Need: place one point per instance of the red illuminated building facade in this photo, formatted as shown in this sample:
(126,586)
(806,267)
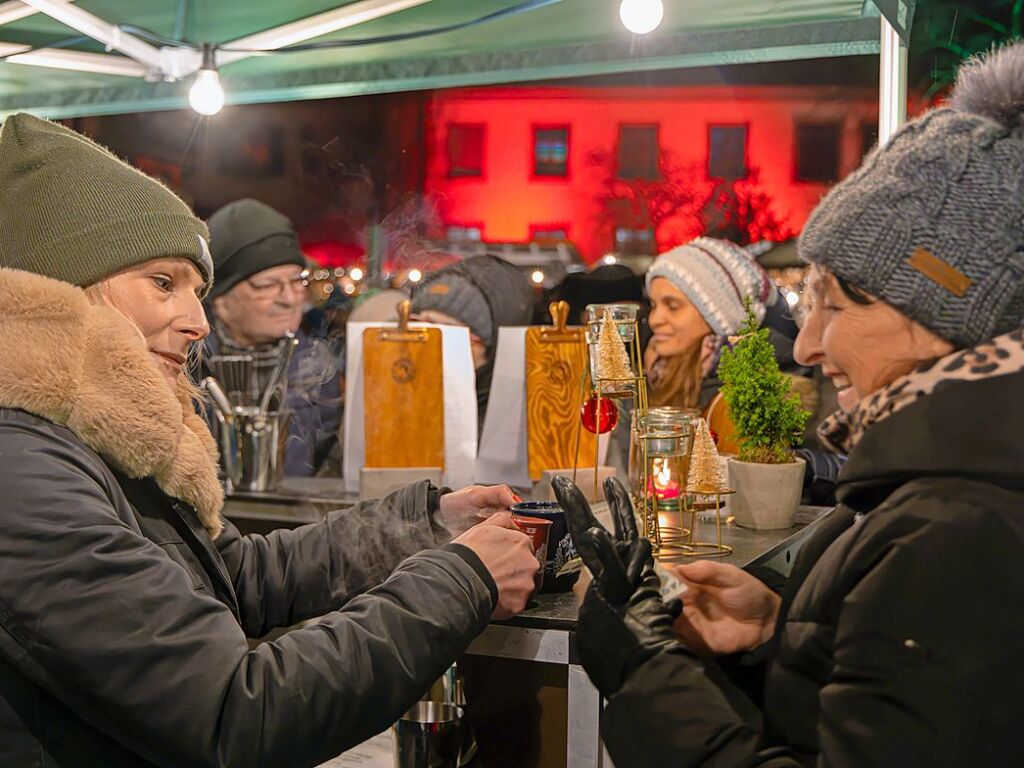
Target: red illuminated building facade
(632,169)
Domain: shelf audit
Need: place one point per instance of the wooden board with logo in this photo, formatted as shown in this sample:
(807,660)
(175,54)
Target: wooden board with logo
(403,396)
(556,364)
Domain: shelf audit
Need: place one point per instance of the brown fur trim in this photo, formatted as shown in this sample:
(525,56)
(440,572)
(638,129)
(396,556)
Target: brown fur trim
(86,367)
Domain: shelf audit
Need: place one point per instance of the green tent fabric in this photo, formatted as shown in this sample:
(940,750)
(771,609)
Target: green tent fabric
(564,39)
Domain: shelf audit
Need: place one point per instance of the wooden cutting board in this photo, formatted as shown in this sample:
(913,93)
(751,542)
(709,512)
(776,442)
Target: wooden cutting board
(556,367)
(403,396)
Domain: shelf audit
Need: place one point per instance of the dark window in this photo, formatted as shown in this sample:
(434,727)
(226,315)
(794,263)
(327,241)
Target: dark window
(548,233)
(634,242)
(727,152)
(868,136)
(817,152)
(551,151)
(460,234)
(638,152)
(465,150)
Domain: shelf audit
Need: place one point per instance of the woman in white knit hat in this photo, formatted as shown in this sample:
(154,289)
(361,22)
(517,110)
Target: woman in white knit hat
(697,292)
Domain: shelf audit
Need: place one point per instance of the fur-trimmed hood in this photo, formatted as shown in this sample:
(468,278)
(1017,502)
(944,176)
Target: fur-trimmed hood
(87,368)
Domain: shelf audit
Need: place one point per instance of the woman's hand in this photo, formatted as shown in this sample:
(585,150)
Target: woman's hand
(458,510)
(725,609)
(508,556)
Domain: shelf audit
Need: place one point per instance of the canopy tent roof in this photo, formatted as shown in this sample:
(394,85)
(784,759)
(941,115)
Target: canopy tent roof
(562,38)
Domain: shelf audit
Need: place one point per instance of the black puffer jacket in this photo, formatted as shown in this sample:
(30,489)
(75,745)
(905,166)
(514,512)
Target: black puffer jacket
(901,635)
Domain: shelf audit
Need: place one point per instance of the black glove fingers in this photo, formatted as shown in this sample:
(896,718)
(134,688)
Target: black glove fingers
(613,582)
(622,510)
(638,560)
(578,516)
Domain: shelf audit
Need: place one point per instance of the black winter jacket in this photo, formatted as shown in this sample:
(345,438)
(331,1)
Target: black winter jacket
(123,627)
(901,635)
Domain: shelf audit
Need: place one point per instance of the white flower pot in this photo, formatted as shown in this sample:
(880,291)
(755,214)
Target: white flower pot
(767,495)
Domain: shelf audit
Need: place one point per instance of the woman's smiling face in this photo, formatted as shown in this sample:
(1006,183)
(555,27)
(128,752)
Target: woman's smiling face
(861,347)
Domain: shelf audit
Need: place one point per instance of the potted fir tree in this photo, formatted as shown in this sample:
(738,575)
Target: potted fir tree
(767,477)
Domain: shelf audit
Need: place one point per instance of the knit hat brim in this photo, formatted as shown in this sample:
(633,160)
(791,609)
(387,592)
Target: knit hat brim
(270,252)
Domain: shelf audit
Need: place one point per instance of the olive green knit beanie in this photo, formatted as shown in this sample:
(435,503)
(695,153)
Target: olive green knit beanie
(71,210)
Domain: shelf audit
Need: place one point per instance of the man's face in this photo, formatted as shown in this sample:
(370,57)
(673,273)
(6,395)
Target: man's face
(264,307)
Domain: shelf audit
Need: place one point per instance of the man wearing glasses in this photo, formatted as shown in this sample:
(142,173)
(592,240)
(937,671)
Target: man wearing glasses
(259,296)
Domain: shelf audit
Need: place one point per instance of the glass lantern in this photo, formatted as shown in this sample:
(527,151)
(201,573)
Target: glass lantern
(660,465)
(625,319)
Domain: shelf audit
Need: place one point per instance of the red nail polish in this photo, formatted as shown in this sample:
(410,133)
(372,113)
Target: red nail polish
(517,499)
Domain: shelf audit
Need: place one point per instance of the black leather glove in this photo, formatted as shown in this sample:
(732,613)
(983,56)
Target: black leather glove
(623,621)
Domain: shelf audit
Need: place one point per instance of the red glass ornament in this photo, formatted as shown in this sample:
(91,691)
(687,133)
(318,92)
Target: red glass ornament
(609,415)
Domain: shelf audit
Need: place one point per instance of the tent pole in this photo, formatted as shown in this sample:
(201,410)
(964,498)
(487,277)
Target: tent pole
(892,86)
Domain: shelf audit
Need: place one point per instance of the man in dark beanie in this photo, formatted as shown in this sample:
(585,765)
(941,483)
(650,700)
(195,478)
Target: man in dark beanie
(259,296)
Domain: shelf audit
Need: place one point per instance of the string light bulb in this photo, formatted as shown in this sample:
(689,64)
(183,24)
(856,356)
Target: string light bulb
(356,274)
(415,276)
(641,16)
(206,96)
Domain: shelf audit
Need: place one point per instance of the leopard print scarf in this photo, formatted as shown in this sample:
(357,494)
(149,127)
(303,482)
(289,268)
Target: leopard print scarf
(1001,356)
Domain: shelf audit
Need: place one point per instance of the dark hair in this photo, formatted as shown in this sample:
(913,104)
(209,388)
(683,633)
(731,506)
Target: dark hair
(852,292)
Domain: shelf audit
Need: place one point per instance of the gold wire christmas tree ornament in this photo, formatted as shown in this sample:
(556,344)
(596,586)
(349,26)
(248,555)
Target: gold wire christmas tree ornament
(705,487)
(613,367)
(705,466)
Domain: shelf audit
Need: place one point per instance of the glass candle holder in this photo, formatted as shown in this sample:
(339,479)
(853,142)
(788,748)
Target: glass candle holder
(625,318)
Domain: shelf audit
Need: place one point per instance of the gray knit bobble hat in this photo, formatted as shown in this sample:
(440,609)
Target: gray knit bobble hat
(932,223)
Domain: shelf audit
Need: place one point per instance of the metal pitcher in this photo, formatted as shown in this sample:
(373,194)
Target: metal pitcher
(252,448)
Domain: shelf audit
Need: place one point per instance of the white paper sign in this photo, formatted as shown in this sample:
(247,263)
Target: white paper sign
(503,447)
(460,416)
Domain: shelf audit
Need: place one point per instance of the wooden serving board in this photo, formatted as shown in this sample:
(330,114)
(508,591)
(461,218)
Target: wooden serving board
(403,397)
(556,364)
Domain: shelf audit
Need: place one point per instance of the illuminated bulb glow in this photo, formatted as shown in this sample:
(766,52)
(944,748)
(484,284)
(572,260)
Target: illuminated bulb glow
(610,259)
(206,96)
(356,273)
(641,16)
(792,297)
(537,276)
(415,275)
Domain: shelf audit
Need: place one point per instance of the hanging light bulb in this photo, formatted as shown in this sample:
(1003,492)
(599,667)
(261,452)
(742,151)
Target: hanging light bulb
(641,16)
(206,96)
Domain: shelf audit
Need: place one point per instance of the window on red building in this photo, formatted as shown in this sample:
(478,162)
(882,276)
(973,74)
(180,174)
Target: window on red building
(638,152)
(634,242)
(817,152)
(463,234)
(551,151)
(727,152)
(544,233)
(465,149)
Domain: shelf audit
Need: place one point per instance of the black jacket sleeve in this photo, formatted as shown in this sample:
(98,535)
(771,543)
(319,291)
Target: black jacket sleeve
(291,575)
(926,662)
(99,617)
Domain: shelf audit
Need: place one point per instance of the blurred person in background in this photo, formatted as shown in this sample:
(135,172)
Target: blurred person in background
(697,294)
(259,296)
(482,293)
